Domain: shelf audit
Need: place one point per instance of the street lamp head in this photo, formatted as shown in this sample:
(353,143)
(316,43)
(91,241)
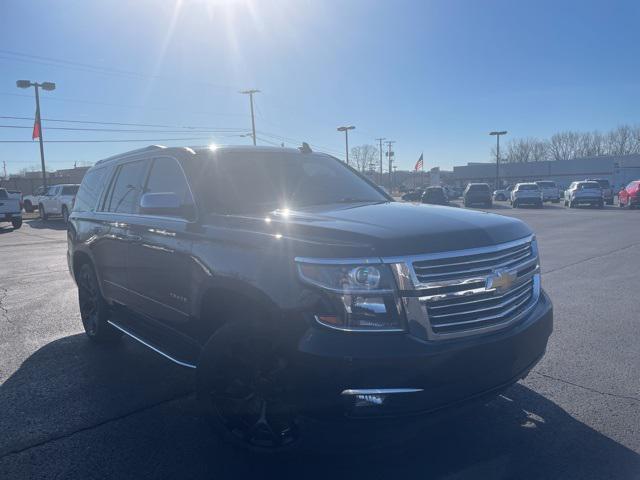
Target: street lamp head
(23,84)
(504,132)
(344,129)
(49,86)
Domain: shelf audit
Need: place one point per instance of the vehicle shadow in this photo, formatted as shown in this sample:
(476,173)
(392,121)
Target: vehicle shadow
(51,224)
(123,412)
(6,229)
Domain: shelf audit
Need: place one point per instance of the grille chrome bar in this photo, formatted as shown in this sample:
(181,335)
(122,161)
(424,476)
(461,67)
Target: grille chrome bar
(451,295)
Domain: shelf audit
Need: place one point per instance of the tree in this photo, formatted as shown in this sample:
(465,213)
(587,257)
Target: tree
(363,156)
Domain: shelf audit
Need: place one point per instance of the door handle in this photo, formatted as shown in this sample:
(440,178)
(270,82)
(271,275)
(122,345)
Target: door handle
(134,238)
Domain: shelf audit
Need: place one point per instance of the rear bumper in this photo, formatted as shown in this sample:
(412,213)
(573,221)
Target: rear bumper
(338,369)
(7,217)
(591,200)
(528,200)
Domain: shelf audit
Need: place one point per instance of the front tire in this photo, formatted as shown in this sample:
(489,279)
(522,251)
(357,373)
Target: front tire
(244,392)
(94,310)
(65,214)
(515,204)
(16,223)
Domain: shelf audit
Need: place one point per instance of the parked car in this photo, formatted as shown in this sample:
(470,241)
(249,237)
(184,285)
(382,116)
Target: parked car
(58,200)
(584,193)
(17,194)
(296,288)
(607,191)
(412,196)
(452,193)
(477,194)
(629,196)
(435,196)
(502,194)
(10,210)
(31,202)
(526,194)
(550,191)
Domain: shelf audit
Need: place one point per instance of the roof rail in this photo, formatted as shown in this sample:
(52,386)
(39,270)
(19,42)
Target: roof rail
(131,152)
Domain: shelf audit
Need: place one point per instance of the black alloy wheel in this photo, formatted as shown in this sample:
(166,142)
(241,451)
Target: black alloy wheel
(94,311)
(244,390)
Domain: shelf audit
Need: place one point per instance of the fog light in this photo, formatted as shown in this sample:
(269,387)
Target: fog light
(369,400)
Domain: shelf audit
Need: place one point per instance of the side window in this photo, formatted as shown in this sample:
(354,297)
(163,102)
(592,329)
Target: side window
(126,188)
(166,176)
(90,189)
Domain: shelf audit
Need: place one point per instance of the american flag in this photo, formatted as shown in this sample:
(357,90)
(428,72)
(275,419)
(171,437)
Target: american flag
(419,163)
(36,126)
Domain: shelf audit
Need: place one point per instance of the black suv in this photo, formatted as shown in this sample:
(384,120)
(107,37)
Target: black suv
(299,290)
(477,194)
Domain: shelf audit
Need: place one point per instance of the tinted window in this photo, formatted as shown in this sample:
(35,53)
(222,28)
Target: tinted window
(89,190)
(546,184)
(528,187)
(166,177)
(603,183)
(259,182)
(479,188)
(3,194)
(127,187)
(70,190)
(434,194)
(589,186)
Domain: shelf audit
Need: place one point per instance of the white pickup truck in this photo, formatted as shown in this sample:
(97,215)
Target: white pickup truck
(58,200)
(10,210)
(31,202)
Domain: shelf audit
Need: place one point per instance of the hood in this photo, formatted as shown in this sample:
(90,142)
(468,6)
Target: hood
(386,229)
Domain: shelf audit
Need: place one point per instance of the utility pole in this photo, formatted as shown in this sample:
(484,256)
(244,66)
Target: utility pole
(390,160)
(48,86)
(497,135)
(253,120)
(346,138)
(380,141)
(4,167)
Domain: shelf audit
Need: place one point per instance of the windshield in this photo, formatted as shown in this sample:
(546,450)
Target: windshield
(478,188)
(251,183)
(546,184)
(70,190)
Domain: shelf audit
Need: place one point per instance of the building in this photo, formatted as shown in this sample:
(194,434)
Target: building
(30,181)
(619,170)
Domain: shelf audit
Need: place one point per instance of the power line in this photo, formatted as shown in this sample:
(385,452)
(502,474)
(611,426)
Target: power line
(115,140)
(76,129)
(89,122)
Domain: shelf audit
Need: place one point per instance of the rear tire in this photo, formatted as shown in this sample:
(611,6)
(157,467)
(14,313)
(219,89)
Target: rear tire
(515,204)
(28,207)
(571,204)
(94,310)
(43,214)
(17,223)
(65,214)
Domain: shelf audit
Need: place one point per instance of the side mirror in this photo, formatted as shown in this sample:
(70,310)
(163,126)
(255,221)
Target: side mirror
(160,204)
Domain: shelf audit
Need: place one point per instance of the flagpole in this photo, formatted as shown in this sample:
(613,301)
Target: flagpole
(44,172)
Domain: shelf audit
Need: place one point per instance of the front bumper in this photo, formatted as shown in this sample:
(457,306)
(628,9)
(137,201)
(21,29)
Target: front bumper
(335,366)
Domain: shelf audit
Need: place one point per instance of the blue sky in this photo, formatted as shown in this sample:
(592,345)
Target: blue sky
(435,76)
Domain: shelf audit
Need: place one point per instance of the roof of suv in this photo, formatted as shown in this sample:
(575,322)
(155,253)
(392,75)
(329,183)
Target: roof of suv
(198,149)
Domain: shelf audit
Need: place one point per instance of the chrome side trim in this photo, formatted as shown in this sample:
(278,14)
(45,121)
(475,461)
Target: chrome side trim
(339,261)
(379,391)
(155,349)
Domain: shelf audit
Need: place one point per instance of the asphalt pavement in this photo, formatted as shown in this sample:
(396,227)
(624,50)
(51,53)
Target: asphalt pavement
(69,409)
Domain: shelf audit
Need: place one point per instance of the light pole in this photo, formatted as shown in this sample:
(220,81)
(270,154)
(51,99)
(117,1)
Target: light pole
(346,138)
(48,86)
(253,121)
(497,135)
(380,140)
(390,159)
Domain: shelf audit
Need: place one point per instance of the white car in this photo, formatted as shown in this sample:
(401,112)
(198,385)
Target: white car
(526,193)
(550,191)
(31,202)
(503,194)
(10,210)
(581,193)
(58,200)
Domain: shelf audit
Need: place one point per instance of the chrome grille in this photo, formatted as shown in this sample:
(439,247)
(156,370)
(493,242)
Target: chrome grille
(465,292)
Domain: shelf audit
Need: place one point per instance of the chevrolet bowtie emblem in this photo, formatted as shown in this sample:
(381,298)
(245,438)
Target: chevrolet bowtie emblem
(501,280)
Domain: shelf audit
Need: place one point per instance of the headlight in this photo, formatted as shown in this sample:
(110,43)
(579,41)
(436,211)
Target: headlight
(360,296)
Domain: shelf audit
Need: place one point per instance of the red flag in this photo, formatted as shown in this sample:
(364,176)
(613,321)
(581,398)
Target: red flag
(419,164)
(36,126)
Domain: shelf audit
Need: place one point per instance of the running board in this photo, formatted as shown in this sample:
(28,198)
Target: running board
(149,345)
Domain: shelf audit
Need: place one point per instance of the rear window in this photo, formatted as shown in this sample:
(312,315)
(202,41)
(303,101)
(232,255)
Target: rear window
(479,188)
(546,184)
(3,194)
(528,187)
(589,186)
(70,190)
